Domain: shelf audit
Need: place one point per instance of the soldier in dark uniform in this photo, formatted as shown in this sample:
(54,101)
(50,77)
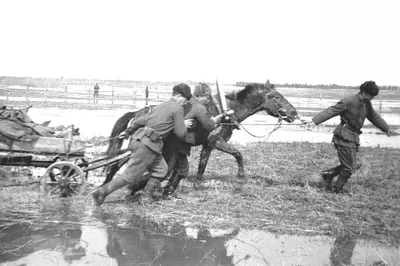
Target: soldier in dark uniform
(353,111)
(146,144)
(176,150)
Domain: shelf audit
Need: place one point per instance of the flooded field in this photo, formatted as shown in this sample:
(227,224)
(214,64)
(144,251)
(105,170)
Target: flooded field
(40,231)
(66,232)
(95,123)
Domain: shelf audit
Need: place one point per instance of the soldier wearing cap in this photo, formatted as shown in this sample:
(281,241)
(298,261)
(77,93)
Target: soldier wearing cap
(353,111)
(176,149)
(148,133)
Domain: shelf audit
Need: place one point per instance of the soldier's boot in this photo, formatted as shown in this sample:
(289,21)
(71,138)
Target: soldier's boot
(328,175)
(101,193)
(342,180)
(135,187)
(172,185)
(147,195)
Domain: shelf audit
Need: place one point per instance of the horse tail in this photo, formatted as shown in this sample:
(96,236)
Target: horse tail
(115,144)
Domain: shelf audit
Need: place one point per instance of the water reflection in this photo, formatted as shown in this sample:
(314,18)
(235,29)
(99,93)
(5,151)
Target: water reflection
(54,235)
(61,233)
(342,250)
(140,247)
(261,248)
(93,240)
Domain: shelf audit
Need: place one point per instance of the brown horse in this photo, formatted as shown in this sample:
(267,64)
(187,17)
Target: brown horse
(246,102)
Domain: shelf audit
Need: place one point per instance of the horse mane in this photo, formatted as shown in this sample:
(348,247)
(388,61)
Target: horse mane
(249,89)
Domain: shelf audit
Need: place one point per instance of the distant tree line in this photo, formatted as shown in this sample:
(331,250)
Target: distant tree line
(319,86)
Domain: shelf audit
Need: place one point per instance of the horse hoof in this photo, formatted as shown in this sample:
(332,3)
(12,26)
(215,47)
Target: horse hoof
(198,185)
(240,180)
(98,197)
(241,174)
(145,199)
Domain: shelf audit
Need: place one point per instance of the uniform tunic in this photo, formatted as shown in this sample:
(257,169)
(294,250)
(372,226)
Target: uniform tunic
(203,124)
(147,141)
(176,149)
(163,119)
(353,111)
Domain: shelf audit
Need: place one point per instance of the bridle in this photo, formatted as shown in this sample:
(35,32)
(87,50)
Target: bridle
(270,96)
(276,113)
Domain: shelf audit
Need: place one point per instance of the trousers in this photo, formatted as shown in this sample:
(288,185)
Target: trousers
(141,160)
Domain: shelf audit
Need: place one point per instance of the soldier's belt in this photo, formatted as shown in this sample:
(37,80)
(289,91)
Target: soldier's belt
(351,128)
(151,134)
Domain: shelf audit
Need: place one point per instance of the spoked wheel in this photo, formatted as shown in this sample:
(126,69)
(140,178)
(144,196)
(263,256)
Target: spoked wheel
(63,178)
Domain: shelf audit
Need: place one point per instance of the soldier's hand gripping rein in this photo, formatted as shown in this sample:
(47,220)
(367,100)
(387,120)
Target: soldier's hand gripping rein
(123,135)
(189,123)
(225,116)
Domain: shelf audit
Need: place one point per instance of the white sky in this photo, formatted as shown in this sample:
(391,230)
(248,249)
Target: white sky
(295,41)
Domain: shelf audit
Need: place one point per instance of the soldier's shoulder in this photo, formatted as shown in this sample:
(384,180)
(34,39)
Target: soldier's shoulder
(350,99)
(169,105)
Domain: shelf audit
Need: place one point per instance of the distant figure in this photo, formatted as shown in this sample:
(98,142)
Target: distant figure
(147,94)
(96,93)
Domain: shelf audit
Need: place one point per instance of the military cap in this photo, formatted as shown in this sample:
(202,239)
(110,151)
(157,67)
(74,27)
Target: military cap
(183,90)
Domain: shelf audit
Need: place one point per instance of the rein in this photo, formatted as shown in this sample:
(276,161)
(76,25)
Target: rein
(237,124)
(277,126)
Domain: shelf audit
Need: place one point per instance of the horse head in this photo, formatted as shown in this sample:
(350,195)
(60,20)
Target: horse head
(258,97)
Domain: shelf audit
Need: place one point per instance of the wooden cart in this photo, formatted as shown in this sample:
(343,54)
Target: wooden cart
(66,172)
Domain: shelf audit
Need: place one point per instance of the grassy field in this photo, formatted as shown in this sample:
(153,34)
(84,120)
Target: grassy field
(283,194)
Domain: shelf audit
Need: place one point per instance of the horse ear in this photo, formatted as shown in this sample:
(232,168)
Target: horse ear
(46,123)
(268,85)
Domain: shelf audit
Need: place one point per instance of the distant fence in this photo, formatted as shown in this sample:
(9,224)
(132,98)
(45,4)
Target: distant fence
(82,91)
(320,98)
(133,93)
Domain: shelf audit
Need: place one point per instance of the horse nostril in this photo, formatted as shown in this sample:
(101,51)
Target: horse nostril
(282,111)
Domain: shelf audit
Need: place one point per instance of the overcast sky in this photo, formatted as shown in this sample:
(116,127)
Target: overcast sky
(294,41)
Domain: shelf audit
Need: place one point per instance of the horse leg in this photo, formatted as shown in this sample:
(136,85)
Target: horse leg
(204,156)
(223,146)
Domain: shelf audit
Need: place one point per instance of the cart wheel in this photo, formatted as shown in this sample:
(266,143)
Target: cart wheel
(63,178)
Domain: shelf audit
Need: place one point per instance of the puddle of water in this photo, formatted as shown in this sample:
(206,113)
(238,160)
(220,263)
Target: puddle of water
(61,234)
(366,140)
(261,248)
(91,122)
